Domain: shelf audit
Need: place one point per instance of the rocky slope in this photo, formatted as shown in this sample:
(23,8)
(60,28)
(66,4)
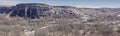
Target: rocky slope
(37,10)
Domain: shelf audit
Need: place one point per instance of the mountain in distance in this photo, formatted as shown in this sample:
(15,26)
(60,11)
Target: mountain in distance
(37,10)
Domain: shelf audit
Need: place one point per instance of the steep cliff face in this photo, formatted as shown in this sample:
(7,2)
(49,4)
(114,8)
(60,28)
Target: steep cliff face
(37,10)
(29,10)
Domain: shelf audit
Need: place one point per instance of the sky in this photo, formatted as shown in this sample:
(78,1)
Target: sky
(75,3)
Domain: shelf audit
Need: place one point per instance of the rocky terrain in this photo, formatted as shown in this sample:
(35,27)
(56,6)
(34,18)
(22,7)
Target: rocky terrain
(36,19)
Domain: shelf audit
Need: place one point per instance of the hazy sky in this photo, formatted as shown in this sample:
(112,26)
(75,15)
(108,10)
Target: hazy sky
(76,3)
